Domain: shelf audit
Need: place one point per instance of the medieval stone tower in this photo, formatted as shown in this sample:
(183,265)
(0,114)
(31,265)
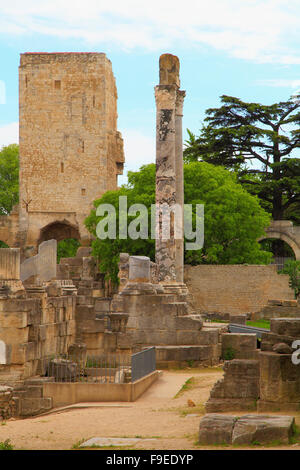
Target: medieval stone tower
(70,149)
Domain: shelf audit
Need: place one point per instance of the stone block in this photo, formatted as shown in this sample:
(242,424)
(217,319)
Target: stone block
(242,345)
(14,335)
(92,326)
(84,313)
(221,405)
(290,303)
(34,391)
(187,323)
(93,340)
(238,318)
(34,406)
(139,269)
(42,332)
(102,305)
(216,429)
(279,378)
(71,327)
(268,340)
(13,319)
(9,263)
(262,429)
(286,327)
(18,354)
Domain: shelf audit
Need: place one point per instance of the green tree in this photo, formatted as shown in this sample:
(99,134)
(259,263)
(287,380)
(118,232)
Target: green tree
(234,219)
(260,143)
(67,248)
(9,178)
(292,268)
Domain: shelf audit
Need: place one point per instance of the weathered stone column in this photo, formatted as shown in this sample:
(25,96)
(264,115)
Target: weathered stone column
(169,170)
(179,258)
(165,96)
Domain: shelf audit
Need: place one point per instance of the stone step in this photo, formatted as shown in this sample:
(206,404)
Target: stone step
(34,406)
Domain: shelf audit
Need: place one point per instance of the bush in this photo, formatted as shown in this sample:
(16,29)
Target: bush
(292,268)
(229,354)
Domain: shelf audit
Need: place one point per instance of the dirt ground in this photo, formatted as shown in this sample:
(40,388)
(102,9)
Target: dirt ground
(161,414)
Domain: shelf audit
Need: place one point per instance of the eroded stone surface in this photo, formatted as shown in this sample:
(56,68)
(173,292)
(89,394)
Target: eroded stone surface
(262,429)
(216,429)
(248,429)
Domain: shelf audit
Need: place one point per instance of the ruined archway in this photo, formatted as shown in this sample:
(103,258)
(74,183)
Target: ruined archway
(287,232)
(59,231)
(282,251)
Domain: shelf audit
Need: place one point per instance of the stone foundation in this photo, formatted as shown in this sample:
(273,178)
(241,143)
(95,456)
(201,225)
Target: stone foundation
(238,389)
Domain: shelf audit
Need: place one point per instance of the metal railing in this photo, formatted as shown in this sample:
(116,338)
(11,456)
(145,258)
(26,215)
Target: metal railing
(143,363)
(280,261)
(108,368)
(105,368)
(237,328)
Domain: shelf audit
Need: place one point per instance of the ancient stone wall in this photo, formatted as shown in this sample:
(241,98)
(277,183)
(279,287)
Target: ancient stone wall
(33,329)
(70,149)
(236,288)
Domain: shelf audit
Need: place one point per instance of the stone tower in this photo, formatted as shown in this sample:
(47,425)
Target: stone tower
(70,149)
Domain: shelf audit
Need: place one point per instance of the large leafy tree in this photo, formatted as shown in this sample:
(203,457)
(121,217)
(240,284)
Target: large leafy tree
(261,143)
(233,222)
(9,178)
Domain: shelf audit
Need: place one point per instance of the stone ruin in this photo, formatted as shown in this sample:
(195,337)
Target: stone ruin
(264,379)
(48,310)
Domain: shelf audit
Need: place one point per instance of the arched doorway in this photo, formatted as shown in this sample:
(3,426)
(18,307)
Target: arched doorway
(59,231)
(281,249)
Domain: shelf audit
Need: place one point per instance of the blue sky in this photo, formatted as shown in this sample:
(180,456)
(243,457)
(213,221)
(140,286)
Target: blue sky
(246,48)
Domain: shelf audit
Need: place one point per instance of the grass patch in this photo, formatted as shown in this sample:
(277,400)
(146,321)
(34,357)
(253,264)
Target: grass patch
(188,385)
(216,321)
(295,438)
(78,443)
(262,323)
(6,445)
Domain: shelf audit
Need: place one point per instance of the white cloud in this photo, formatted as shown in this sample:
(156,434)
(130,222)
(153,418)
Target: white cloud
(139,150)
(280,82)
(259,30)
(9,134)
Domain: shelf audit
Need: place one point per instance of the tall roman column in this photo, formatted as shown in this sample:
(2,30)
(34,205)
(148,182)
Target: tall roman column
(169,168)
(179,257)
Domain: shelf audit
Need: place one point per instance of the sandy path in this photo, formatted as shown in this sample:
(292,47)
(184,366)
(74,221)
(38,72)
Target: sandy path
(149,416)
(157,414)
